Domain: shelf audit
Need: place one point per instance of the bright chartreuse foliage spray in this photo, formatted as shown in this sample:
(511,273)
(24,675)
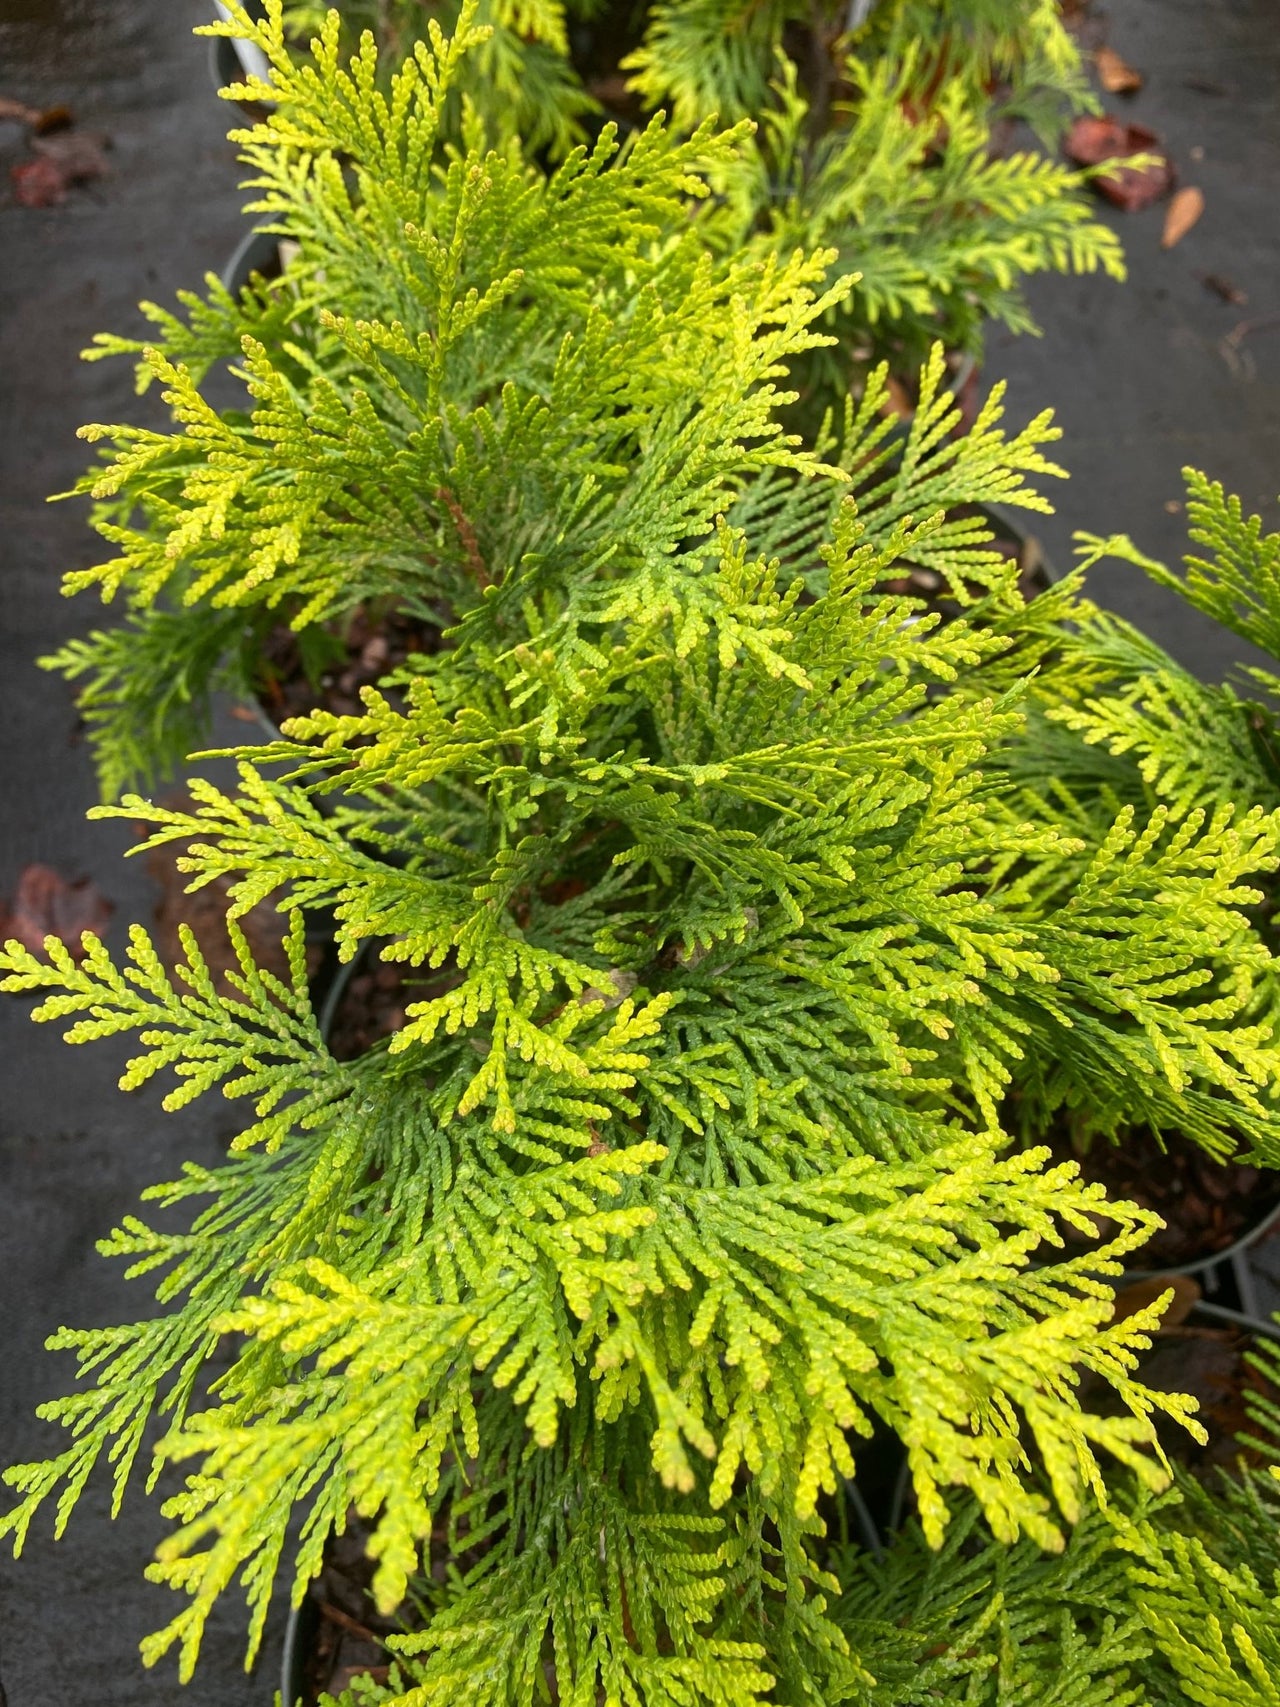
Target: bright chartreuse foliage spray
(735,928)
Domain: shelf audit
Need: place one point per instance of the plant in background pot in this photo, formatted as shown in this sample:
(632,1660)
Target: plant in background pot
(702,56)
(684,1169)
(876,138)
(389,480)
(519,79)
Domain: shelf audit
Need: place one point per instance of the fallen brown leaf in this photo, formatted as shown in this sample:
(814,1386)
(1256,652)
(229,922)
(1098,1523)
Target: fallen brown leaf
(79,155)
(1186,1295)
(53,118)
(17,110)
(46,904)
(64,158)
(1184,210)
(1094,139)
(1116,76)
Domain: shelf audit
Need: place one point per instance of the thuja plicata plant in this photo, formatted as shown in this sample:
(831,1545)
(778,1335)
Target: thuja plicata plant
(519,77)
(453,374)
(1158,1602)
(357,475)
(730,932)
(878,134)
(369,177)
(1120,707)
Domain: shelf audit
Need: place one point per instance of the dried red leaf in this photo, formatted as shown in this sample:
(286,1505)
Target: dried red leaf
(1115,74)
(38,183)
(1184,210)
(1096,138)
(46,904)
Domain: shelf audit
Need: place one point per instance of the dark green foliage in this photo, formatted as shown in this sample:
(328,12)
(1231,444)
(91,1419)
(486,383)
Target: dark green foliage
(1206,1573)
(995,1626)
(1119,691)
(146,700)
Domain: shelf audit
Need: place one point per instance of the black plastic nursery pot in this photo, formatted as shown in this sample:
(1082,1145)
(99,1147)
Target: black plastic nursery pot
(1212,1211)
(257,252)
(1213,1265)
(231,61)
(299,1638)
(1206,1349)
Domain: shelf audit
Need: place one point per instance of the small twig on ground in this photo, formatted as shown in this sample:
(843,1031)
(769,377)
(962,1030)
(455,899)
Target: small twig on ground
(353,1626)
(1240,361)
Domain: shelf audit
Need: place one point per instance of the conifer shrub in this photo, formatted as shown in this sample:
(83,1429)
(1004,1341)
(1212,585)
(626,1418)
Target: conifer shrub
(684,1168)
(458,332)
(676,1177)
(1150,728)
(704,56)
(509,303)
(875,137)
(734,929)
(1206,1571)
(520,76)
(731,933)
(1155,1602)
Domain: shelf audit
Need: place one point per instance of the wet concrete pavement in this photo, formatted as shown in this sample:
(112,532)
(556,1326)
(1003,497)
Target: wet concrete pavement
(1138,375)
(1142,376)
